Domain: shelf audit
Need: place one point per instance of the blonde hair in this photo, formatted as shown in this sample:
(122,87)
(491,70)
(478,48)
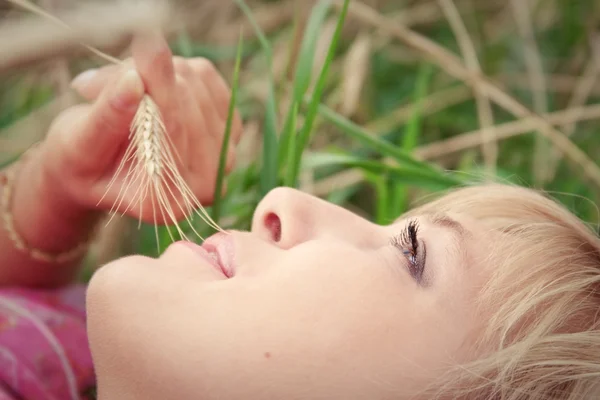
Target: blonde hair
(542,330)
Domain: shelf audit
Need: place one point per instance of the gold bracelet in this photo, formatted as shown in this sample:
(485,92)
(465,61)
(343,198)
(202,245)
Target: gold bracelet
(7,180)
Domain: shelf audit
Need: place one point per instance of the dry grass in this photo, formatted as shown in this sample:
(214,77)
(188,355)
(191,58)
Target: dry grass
(522,15)
(152,171)
(32,39)
(454,67)
(149,166)
(581,91)
(484,107)
(468,141)
(356,71)
(369,30)
(272,17)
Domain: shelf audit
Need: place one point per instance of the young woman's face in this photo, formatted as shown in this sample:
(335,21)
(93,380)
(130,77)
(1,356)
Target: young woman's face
(315,303)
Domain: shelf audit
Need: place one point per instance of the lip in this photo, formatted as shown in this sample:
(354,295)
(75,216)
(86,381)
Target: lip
(220,247)
(218,251)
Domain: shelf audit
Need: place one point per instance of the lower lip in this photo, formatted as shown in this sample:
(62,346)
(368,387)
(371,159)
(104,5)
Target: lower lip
(204,254)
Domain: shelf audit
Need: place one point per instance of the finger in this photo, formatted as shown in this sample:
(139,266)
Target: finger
(89,83)
(220,92)
(213,122)
(182,67)
(205,103)
(206,72)
(103,127)
(154,61)
(192,116)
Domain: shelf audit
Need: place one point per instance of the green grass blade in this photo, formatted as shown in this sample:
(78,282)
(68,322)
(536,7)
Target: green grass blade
(291,135)
(382,146)
(408,175)
(311,114)
(413,127)
(224,53)
(216,208)
(289,128)
(342,196)
(264,42)
(270,151)
(269,173)
(382,196)
(303,73)
(399,191)
(308,49)
(183,45)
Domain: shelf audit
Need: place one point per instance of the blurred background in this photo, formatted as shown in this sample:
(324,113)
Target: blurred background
(387,102)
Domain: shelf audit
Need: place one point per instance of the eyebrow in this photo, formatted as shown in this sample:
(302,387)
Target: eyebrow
(444,221)
(459,233)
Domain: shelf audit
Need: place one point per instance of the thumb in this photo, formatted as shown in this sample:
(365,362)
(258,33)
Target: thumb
(104,125)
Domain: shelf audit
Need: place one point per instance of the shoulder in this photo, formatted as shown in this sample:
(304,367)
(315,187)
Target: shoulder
(44,350)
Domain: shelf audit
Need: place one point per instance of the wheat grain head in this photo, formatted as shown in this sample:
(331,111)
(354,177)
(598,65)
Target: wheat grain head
(153,172)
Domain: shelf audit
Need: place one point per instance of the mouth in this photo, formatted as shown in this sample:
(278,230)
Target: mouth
(221,248)
(218,251)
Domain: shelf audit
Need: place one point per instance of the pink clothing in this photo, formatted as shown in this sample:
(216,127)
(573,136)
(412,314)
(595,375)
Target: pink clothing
(31,321)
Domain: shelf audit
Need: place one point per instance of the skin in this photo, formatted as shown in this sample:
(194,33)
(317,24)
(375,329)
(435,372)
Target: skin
(60,189)
(321,306)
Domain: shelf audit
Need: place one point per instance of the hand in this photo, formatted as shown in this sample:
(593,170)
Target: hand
(86,143)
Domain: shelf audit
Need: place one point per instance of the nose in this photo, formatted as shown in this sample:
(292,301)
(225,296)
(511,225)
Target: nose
(287,217)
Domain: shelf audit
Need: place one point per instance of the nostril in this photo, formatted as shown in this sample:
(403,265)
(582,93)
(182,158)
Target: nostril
(273,224)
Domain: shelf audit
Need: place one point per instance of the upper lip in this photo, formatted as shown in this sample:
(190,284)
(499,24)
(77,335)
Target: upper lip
(220,245)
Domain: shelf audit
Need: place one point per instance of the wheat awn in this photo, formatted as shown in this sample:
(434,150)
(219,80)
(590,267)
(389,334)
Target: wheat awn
(150,153)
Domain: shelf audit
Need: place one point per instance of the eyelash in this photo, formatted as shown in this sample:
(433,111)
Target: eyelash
(408,243)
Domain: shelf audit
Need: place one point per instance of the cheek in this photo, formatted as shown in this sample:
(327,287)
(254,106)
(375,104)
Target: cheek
(324,317)
(334,301)
(356,313)
(141,324)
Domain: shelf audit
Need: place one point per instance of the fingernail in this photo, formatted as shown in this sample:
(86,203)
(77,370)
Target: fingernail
(129,91)
(83,78)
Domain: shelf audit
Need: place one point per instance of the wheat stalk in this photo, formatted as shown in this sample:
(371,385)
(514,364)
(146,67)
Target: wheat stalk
(150,154)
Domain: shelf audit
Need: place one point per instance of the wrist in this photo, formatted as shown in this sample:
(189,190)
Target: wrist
(46,218)
(54,196)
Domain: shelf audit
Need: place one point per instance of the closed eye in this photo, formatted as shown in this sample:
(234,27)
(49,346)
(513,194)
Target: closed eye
(412,249)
